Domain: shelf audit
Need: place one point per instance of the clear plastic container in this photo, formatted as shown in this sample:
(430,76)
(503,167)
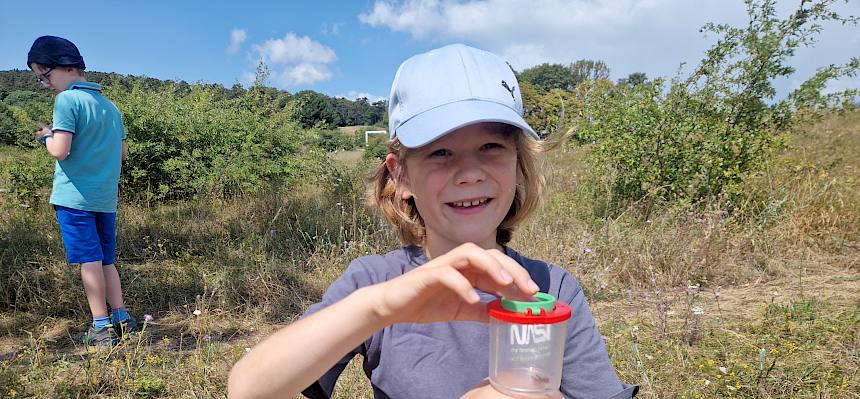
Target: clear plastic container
(527,345)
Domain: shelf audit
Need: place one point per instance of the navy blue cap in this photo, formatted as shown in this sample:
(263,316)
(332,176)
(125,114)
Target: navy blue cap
(53,51)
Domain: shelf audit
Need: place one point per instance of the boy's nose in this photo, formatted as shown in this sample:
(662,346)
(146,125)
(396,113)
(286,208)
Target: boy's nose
(469,171)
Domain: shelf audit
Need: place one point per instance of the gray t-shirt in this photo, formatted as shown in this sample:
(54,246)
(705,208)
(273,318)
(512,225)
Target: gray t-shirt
(445,360)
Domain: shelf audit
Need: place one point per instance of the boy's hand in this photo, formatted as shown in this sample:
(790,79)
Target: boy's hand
(444,288)
(486,391)
(43,130)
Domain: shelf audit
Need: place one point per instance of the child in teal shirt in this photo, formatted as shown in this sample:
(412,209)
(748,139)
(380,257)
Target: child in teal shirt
(87,139)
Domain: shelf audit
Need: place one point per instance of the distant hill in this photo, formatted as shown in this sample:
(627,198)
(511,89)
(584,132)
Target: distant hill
(25,80)
(20,88)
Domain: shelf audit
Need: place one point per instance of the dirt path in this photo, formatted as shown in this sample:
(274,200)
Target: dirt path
(840,287)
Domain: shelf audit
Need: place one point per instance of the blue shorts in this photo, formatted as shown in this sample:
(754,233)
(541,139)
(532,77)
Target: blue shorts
(88,236)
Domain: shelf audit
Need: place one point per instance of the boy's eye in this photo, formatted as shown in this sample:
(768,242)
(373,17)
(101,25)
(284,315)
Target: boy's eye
(439,153)
(489,146)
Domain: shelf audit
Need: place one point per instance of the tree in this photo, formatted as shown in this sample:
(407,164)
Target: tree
(545,77)
(635,78)
(380,113)
(312,109)
(583,70)
(262,73)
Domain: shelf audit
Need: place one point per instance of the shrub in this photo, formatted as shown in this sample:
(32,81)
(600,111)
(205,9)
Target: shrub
(26,173)
(698,138)
(20,112)
(333,140)
(184,145)
(375,149)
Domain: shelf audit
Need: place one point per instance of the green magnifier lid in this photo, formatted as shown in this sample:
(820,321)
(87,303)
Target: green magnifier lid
(542,301)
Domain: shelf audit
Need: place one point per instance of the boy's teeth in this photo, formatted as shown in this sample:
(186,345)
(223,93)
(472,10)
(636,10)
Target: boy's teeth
(465,204)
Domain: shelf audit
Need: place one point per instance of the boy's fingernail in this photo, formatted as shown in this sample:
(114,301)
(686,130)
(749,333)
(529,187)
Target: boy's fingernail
(505,276)
(533,286)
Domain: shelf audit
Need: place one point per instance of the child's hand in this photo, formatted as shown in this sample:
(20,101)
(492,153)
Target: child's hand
(486,391)
(43,130)
(444,288)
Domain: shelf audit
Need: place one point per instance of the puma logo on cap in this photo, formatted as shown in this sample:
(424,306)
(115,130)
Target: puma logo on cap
(509,89)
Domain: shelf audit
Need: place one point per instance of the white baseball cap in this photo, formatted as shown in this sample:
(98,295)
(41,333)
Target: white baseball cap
(450,87)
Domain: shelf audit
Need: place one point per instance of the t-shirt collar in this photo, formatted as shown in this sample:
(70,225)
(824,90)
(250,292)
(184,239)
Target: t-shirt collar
(85,85)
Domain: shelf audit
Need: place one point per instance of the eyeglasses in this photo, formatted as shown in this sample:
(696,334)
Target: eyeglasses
(45,78)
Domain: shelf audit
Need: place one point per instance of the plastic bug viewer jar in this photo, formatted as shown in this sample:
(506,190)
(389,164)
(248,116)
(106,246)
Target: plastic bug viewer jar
(527,344)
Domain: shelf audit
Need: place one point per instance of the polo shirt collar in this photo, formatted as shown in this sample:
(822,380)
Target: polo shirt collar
(85,85)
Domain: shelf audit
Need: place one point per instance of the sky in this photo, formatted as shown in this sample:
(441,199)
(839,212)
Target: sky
(353,48)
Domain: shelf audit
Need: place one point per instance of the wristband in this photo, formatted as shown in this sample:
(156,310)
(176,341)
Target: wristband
(44,139)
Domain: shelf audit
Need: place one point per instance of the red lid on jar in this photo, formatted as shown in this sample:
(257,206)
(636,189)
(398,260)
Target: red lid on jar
(560,312)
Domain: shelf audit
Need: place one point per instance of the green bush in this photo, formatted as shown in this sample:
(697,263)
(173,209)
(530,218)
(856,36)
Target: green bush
(333,140)
(26,174)
(696,139)
(375,149)
(183,145)
(20,112)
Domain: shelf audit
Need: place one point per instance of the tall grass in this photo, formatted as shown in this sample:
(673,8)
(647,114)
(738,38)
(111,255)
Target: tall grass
(251,263)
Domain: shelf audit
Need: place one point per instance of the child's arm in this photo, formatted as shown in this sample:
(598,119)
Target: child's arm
(443,289)
(58,143)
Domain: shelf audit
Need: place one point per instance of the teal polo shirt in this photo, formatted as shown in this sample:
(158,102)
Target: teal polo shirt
(88,178)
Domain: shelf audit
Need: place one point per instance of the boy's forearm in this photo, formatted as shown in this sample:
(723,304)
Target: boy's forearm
(58,144)
(55,150)
(296,356)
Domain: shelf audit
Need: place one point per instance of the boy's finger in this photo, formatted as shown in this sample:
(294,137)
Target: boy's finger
(472,256)
(499,273)
(525,287)
(453,280)
(496,272)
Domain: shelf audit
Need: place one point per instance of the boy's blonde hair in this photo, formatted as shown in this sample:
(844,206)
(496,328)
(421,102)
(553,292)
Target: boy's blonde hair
(384,192)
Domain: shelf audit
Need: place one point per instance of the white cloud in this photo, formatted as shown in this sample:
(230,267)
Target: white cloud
(294,49)
(651,36)
(303,74)
(529,32)
(354,95)
(295,60)
(237,37)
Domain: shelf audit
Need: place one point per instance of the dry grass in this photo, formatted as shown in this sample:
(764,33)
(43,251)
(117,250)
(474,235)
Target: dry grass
(780,275)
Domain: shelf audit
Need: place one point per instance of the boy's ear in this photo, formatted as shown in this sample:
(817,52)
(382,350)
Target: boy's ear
(400,180)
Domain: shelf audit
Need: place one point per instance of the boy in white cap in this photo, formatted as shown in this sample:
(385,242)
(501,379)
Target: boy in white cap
(460,176)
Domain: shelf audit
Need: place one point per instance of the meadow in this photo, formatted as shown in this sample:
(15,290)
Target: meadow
(692,304)
(713,224)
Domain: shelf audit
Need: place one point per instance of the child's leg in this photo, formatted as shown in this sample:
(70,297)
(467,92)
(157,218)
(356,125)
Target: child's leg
(113,286)
(106,224)
(94,286)
(82,243)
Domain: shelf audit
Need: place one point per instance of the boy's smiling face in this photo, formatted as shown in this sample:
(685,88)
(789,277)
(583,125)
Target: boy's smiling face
(463,185)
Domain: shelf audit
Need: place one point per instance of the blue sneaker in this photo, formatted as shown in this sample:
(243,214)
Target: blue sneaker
(126,328)
(104,337)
